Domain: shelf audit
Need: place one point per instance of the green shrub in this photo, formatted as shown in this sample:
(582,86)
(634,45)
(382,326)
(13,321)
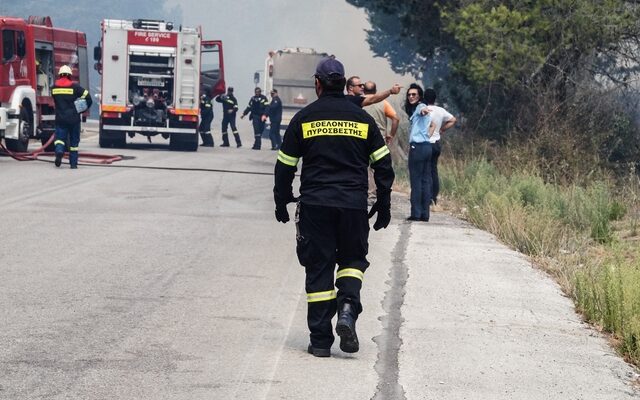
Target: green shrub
(609,295)
(617,211)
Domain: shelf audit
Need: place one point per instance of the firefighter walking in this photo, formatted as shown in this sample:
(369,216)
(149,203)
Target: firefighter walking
(229,111)
(336,141)
(71,100)
(258,109)
(206,117)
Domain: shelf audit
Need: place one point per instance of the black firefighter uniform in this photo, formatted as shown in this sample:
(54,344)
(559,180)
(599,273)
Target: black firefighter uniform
(337,141)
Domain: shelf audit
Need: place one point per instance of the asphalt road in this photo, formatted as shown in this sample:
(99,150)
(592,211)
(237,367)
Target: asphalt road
(142,283)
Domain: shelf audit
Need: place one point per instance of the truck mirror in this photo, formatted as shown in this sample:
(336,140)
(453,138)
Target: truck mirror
(256,78)
(97,53)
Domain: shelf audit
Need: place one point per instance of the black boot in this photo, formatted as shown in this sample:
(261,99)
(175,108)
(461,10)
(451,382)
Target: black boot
(207,139)
(225,140)
(238,142)
(346,329)
(318,352)
(257,143)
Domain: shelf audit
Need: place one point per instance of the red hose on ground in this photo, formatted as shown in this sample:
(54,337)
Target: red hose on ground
(92,158)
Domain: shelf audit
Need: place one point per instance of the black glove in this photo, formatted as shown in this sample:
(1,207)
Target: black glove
(282,215)
(384,215)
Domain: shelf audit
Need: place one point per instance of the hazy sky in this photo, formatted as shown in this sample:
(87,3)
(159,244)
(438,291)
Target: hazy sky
(250,28)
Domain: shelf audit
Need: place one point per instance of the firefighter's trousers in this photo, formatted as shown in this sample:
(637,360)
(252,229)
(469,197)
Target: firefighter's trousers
(258,128)
(68,134)
(229,119)
(327,236)
(205,122)
(205,129)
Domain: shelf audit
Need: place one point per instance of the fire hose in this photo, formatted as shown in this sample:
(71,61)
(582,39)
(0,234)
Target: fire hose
(92,158)
(103,160)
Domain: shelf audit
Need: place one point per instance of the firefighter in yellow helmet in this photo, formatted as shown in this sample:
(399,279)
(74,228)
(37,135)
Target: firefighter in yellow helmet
(71,100)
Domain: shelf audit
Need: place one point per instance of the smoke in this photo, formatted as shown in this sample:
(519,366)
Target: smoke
(250,29)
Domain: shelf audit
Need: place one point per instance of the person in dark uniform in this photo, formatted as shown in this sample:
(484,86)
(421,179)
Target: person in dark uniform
(229,111)
(257,106)
(274,112)
(206,117)
(336,141)
(65,93)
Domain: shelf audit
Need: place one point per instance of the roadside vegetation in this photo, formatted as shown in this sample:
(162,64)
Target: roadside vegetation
(585,236)
(547,152)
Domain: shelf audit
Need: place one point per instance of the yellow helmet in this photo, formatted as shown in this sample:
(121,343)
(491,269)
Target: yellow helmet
(64,70)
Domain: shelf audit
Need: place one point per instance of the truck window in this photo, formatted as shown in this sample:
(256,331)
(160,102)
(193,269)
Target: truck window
(8,45)
(211,75)
(211,61)
(21,49)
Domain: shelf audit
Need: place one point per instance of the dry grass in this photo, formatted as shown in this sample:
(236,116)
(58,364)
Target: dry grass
(586,237)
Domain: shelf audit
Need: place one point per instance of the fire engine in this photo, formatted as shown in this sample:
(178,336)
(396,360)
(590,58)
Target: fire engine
(153,75)
(290,71)
(32,51)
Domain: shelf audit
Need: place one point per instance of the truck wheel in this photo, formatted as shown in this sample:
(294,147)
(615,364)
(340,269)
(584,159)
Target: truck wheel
(103,141)
(182,141)
(174,142)
(44,138)
(191,143)
(111,139)
(120,142)
(24,130)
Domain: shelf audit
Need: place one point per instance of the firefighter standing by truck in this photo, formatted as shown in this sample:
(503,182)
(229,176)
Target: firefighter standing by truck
(66,94)
(258,108)
(337,141)
(274,112)
(206,117)
(229,111)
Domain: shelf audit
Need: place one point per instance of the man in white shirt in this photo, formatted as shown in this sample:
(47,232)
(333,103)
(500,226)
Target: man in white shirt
(443,120)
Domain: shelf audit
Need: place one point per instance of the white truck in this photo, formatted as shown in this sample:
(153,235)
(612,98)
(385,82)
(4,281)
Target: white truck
(290,71)
(153,75)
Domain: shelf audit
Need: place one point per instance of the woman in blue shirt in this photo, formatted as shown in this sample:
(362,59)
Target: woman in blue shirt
(420,153)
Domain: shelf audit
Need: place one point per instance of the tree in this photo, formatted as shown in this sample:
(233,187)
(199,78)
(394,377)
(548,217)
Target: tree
(514,65)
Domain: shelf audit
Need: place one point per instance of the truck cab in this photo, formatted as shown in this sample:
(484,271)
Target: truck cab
(17,96)
(31,51)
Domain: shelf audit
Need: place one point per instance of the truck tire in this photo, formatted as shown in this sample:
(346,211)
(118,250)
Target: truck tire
(120,142)
(191,142)
(108,139)
(24,130)
(183,141)
(44,138)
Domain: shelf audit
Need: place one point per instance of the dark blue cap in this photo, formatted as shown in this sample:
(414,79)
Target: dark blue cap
(330,68)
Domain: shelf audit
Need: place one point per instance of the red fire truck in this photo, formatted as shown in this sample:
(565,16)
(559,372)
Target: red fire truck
(32,51)
(153,74)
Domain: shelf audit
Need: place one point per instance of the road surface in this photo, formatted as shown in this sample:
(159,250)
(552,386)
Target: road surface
(142,283)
